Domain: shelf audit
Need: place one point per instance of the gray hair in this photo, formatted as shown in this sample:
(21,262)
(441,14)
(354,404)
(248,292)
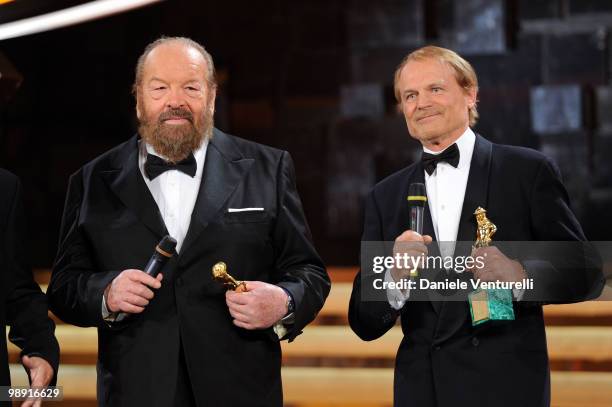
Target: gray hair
(210,67)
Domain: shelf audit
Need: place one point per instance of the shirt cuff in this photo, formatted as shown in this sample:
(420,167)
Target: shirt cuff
(280,330)
(108,316)
(518,293)
(396,297)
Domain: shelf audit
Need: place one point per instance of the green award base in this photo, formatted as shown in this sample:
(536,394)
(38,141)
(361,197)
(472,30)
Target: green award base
(490,304)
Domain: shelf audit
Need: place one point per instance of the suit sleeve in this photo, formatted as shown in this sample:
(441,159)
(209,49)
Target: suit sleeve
(76,288)
(370,314)
(572,271)
(26,305)
(299,269)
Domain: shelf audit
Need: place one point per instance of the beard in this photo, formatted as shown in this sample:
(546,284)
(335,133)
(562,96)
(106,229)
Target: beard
(176,142)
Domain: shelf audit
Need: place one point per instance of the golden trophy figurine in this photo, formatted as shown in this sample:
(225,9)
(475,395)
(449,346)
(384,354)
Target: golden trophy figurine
(485,230)
(219,272)
(488,304)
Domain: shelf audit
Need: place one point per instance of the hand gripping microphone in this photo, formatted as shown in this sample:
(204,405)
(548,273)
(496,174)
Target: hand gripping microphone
(163,252)
(417,198)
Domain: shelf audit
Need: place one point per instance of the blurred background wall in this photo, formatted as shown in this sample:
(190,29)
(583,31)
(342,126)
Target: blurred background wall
(315,77)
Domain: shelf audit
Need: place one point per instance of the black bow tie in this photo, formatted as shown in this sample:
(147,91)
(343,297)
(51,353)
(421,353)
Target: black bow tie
(450,155)
(155,166)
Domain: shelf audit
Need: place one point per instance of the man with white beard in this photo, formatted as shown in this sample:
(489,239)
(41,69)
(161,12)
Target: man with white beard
(180,339)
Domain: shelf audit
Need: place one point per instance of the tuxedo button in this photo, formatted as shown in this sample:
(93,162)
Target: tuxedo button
(475,341)
(437,347)
(179,282)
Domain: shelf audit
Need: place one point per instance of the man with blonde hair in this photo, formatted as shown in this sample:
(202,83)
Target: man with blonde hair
(447,358)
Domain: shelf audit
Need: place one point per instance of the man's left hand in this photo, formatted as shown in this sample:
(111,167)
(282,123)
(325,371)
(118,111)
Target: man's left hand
(497,267)
(261,306)
(40,372)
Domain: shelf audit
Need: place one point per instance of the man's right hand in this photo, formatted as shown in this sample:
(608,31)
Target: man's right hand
(131,291)
(414,246)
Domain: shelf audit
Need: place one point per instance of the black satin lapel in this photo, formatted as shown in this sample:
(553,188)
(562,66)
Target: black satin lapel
(477,189)
(220,177)
(127,183)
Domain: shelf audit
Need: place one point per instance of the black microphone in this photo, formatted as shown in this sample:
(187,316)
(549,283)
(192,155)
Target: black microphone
(163,252)
(417,198)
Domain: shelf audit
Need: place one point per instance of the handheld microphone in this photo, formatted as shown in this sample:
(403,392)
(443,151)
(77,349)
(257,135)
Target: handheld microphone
(417,198)
(163,252)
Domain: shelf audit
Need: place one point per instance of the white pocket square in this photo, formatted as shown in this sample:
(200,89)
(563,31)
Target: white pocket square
(230,210)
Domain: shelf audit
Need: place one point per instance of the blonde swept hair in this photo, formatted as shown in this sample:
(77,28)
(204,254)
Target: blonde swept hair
(464,72)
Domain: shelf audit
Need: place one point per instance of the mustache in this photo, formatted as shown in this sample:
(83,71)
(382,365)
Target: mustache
(177,113)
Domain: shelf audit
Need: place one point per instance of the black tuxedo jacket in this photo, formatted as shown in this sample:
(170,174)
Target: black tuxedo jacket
(442,360)
(111,223)
(23,305)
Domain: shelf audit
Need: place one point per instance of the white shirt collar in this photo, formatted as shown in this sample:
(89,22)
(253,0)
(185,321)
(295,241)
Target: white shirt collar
(465,143)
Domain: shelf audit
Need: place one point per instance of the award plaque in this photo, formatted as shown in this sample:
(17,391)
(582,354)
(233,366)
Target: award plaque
(219,272)
(488,304)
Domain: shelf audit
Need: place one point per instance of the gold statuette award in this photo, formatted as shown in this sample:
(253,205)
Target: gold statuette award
(219,272)
(488,304)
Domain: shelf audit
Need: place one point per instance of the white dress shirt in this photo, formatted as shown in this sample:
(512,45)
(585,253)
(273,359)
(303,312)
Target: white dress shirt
(175,192)
(446,190)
